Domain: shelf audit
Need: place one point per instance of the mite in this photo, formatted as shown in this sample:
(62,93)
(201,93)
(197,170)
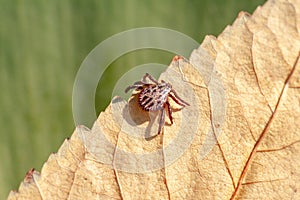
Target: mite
(154,96)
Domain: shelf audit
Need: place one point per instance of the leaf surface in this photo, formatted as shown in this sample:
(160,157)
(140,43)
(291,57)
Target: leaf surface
(239,139)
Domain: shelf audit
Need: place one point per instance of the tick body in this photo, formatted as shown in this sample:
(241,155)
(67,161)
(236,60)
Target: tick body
(154,96)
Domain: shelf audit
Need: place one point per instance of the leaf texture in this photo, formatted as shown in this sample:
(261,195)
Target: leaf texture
(239,139)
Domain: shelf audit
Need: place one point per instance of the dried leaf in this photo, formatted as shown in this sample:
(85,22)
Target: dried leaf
(239,139)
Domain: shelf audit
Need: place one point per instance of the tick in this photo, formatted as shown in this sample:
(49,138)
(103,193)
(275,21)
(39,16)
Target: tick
(154,96)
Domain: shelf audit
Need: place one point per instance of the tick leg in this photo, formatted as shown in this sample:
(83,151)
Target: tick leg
(176,98)
(131,87)
(149,77)
(137,85)
(169,112)
(161,121)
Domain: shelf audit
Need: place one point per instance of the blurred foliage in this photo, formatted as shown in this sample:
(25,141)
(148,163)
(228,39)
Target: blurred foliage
(42,46)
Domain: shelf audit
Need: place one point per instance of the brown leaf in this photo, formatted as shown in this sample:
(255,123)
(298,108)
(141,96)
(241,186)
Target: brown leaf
(239,139)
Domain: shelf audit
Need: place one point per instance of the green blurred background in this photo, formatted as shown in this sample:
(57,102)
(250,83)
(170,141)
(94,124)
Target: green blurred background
(42,46)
